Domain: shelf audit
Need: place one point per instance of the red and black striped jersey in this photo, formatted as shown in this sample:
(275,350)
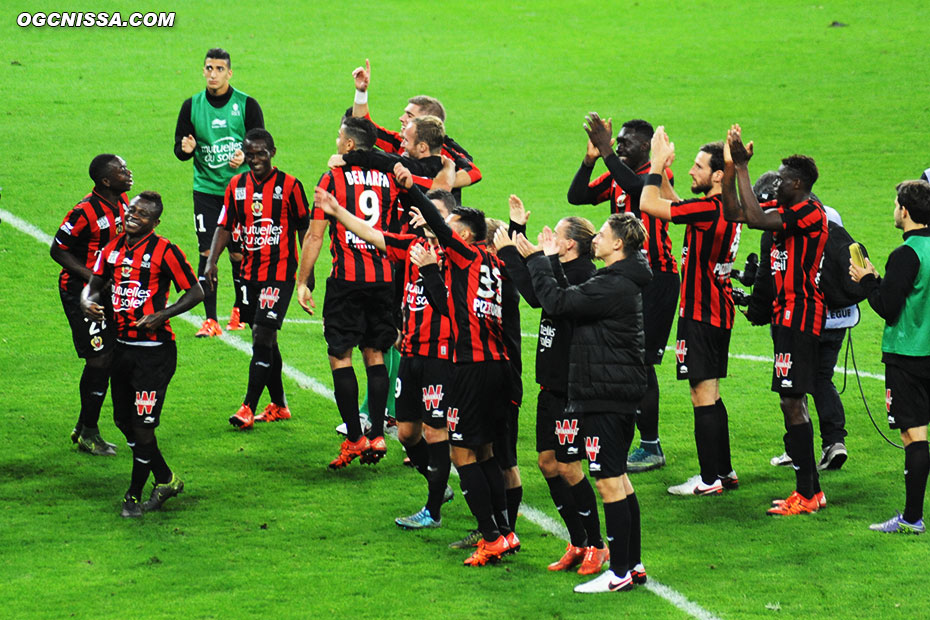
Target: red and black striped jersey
(659,245)
(707,255)
(142,275)
(427,333)
(370,195)
(390,142)
(264,217)
(475,280)
(797,255)
(87,227)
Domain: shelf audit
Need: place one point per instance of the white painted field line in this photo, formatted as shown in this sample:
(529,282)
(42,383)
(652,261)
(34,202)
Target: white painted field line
(534,515)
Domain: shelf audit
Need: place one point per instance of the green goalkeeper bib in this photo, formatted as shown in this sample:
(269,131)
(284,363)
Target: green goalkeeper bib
(220,132)
(910,335)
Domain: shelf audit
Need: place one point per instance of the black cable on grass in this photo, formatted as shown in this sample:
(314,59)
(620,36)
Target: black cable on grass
(851,350)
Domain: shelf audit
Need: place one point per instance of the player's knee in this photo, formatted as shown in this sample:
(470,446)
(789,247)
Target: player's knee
(571,472)
(435,435)
(409,433)
(547,464)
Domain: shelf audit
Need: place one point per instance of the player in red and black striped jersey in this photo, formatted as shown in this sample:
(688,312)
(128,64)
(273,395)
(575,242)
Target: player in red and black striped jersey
(426,362)
(358,309)
(266,213)
(472,295)
(705,316)
(799,234)
(622,185)
(142,266)
(392,142)
(85,230)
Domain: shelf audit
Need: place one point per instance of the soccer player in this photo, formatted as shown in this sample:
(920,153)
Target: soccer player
(425,374)
(85,230)
(481,392)
(358,309)
(705,316)
(559,441)
(210,129)
(266,213)
(902,298)
(607,375)
(799,227)
(142,266)
(622,185)
(422,105)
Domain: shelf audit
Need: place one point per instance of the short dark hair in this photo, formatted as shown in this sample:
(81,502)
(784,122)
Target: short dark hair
(447,198)
(915,197)
(715,150)
(630,229)
(362,131)
(643,129)
(155,199)
(429,105)
(431,131)
(474,219)
(260,133)
(804,168)
(764,187)
(581,231)
(98,167)
(219,54)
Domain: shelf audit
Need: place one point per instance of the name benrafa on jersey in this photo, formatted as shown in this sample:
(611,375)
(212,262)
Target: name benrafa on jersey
(371,178)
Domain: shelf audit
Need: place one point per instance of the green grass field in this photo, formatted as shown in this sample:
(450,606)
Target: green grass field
(263,528)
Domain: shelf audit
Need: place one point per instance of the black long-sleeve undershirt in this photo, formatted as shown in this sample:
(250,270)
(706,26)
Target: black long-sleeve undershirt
(253,118)
(888,295)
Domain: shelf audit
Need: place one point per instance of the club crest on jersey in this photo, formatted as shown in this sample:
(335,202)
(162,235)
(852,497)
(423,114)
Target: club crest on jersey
(432,397)
(240,193)
(268,297)
(782,364)
(127,271)
(566,430)
(681,350)
(97,343)
(256,206)
(888,400)
(452,418)
(145,402)
(592,445)
(119,226)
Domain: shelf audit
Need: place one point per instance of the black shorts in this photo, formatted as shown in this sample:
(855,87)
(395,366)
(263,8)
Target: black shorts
(90,339)
(265,303)
(607,439)
(557,430)
(421,393)
(358,314)
(505,444)
(794,371)
(207,208)
(138,383)
(478,403)
(660,301)
(701,351)
(907,398)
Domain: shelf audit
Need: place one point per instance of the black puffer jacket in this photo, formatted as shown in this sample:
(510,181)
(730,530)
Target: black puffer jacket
(606,369)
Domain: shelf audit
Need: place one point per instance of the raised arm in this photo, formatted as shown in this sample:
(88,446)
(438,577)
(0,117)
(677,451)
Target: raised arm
(732,209)
(752,213)
(362,76)
(599,133)
(651,201)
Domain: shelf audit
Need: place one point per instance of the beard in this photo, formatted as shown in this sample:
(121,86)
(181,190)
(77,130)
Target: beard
(697,188)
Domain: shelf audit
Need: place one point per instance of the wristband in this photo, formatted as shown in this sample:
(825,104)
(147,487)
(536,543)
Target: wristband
(653,179)
(361,96)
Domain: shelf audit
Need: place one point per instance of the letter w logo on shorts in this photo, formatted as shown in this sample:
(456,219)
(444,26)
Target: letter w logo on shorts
(592,445)
(566,430)
(782,364)
(145,401)
(268,297)
(452,418)
(432,397)
(681,350)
